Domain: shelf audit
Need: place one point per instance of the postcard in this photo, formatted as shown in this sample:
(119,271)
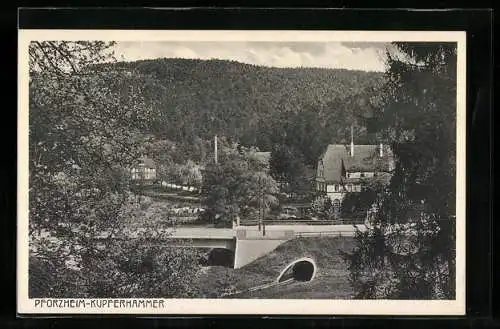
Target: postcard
(241,172)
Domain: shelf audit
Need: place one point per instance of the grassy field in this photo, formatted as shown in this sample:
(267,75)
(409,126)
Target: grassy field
(330,282)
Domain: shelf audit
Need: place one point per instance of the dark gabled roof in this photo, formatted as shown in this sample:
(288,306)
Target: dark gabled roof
(331,160)
(366,158)
(148,162)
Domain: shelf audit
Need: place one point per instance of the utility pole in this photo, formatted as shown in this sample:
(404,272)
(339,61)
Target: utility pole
(263,216)
(260,202)
(262,205)
(260,196)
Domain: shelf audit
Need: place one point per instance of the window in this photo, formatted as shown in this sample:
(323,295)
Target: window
(336,187)
(362,174)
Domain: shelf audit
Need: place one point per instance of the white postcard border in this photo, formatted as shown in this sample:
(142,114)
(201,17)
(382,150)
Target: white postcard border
(242,306)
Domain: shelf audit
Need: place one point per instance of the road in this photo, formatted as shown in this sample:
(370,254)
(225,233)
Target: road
(202,232)
(309,230)
(306,230)
(251,231)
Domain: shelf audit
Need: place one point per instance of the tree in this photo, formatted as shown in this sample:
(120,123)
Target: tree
(356,205)
(287,167)
(302,107)
(328,209)
(322,207)
(162,152)
(191,173)
(237,185)
(85,127)
(409,251)
(318,205)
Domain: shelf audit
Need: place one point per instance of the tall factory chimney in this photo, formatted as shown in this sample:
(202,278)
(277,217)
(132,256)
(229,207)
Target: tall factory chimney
(215,149)
(352,140)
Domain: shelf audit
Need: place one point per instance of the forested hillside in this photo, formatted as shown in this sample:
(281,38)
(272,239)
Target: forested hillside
(306,108)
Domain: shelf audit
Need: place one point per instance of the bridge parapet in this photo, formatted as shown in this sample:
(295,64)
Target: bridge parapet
(244,234)
(241,234)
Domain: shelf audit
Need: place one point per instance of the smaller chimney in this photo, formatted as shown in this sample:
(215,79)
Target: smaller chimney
(381,150)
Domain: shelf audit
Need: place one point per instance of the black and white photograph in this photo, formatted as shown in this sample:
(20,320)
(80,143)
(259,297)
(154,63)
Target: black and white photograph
(289,172)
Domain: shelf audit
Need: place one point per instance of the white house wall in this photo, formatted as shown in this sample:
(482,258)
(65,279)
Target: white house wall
(334,195)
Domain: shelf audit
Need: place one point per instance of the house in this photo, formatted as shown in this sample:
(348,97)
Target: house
(144,171)
(342,169)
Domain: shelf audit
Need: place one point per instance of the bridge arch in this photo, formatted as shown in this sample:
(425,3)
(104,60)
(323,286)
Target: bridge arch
(218,257)
(302,269)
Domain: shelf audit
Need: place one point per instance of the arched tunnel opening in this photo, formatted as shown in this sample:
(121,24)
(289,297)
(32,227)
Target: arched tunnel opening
(218,257)
(302,270)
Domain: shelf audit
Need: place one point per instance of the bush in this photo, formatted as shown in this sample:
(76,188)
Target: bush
(124,269)
(51,279)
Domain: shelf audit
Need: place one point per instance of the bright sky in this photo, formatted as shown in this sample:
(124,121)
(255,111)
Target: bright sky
(366,56)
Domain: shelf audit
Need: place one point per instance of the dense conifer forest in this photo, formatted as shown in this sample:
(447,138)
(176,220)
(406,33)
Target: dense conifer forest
(305,108)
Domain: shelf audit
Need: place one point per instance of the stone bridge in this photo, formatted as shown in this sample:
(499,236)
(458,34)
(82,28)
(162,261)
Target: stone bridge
(248,243)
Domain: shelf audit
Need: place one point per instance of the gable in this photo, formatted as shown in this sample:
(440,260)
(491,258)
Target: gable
(330,163)
(147,162)
(336,159)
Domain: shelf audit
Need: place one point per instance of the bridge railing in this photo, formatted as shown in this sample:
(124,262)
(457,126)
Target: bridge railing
(303,222)
(243,234)
(329,233)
